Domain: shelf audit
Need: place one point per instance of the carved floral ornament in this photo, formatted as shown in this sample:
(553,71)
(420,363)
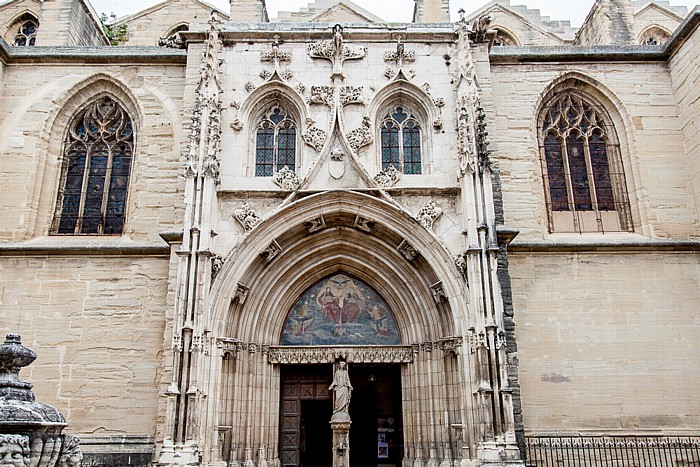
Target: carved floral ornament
(360,136)
(247,217)
(336,51)
(428,214)
(388,177)
(287,179)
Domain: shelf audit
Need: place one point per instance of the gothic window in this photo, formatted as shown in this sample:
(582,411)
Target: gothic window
(654,36)
(97,159)
(503,39)
(24,30)
(275,143)
(401,141)
(585,182)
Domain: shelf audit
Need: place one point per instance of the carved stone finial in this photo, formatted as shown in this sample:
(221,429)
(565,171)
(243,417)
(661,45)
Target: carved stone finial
(287,179)
(400,55)
(336,51)
(428,215)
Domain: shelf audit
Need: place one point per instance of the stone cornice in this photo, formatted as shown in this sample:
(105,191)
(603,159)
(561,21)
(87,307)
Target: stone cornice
(88,248)
(604,245)
(87,55)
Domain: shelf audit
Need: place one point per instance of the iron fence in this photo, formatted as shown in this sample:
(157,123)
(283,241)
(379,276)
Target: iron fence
(612,451)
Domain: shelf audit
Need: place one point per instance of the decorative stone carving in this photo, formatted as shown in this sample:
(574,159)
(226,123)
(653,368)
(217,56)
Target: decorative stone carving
(272,251)
(439,102)
(360,136)
(287,75)
(322,95)
(307,355)
(37,440)
(428,214)
(228,347)
(316,224)
(234,105)
(478,29)
(287,179)
(14,451)
(437,123)
(237,125)
(249,87)
(336,165)
(389,73)
(275,56)
(461,265)
(300,88)
(337,154)
(451,344)
(314,137)
(247,217)
(266,74)
(336,51)
(438,291)
(407,250)
(363,223)
(240,294)
(388,177)
(351,95)
(482,143)
(217,262)
(400,55)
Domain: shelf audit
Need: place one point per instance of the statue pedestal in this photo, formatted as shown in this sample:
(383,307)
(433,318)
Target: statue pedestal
(340,424)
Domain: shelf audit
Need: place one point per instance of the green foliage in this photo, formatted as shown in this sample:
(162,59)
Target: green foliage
(116,34)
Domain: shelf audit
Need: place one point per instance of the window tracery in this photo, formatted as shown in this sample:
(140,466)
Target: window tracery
(26,28)
(97,158)
(275,142)
(584,178)
(401,141)
(503,39)
(654,36)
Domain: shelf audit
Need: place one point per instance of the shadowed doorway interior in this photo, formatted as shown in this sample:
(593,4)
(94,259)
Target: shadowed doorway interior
(376,435)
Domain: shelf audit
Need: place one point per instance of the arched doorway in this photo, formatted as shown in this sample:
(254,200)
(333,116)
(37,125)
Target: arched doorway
(341,310)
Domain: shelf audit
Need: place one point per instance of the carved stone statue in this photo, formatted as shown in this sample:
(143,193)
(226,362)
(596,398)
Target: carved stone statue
(14,451)
(342,391)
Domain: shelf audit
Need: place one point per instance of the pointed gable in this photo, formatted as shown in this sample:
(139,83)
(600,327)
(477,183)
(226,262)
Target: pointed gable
(329,11)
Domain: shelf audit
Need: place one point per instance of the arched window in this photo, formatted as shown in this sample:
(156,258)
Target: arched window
(584,178)
(24,31)
(275,142)
(654,36)
(503,39)
(97,158)
(401,141)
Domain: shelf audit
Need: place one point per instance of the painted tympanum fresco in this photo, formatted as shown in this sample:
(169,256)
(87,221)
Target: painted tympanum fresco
(340,310)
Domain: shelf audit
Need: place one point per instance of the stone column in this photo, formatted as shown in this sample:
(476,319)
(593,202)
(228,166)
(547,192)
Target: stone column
(341,441)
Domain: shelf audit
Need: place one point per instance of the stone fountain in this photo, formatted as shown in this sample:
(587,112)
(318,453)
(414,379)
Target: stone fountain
(31,433)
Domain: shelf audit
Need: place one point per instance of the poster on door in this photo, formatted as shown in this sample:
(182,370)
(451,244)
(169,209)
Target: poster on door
(382,446)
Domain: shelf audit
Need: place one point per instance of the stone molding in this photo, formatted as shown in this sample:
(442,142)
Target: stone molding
(295,355)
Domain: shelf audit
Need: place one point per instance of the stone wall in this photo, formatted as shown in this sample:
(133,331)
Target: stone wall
(686,84)
(37,104)
(147,26)
(61,22)
(607,342)
(653,16)
(641,101)
(97,324)
(609,22)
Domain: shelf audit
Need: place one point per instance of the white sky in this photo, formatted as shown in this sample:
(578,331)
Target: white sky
(390,10)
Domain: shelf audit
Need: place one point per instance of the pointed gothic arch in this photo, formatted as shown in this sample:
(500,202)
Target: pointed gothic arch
(582,157)
(21,30)
(654,35)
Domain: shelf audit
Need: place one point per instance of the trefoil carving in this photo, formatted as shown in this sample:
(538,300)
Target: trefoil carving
(428,214)
(336,51)
(316,224)
(247,217)
(407,250)
(272,251)
(388,177)
(287,179)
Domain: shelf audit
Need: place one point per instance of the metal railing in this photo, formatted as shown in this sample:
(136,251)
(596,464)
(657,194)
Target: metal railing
(612,451)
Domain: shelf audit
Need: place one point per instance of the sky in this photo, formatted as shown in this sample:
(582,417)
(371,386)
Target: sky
(390,10)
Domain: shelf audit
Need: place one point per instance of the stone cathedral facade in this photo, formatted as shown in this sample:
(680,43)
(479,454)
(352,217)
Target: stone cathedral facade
(492,224)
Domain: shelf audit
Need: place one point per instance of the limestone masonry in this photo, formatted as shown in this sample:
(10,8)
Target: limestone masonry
(325,239)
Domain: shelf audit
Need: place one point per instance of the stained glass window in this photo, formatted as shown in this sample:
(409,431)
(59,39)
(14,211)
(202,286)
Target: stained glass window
(583,167)
(26,28)
(97,160)
(401,142)
(275,143)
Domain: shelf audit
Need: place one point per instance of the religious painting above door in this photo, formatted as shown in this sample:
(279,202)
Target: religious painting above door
(340,310)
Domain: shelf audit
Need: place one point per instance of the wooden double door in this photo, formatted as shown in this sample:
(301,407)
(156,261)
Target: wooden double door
(376,434)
